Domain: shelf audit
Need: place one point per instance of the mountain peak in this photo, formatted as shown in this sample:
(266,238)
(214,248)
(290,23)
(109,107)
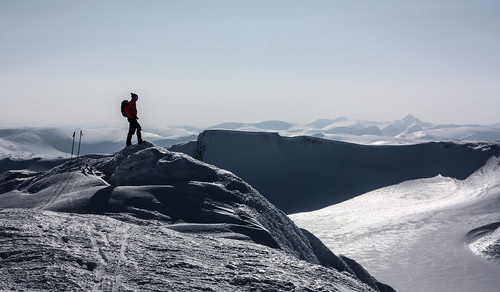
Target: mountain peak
(411,118)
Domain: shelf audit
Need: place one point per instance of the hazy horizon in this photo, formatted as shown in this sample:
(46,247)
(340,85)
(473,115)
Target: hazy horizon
(152,125)
(209,62)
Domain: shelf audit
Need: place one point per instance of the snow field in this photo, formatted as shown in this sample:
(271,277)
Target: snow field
(416,235)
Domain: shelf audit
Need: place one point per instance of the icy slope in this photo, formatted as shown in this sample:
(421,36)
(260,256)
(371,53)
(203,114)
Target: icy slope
(435,234)
(305,173)
(151,197)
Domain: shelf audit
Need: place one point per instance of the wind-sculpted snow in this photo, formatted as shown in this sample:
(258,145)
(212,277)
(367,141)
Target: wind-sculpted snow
(485,241)
(304,173)
(48,251)
(148,214)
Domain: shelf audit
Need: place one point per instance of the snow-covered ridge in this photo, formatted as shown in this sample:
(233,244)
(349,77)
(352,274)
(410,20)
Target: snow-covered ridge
(148,191)
(305,173)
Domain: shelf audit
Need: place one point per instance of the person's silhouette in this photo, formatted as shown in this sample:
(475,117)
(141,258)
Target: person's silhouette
(131,110)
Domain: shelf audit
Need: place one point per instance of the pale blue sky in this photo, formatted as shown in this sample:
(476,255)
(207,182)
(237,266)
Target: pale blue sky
(205,62)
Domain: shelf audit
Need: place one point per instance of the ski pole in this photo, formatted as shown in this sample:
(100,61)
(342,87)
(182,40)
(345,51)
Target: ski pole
(79,142)
(73,145)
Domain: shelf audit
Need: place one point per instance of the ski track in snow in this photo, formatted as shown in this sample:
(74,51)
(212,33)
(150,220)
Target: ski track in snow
(122,258)
(61,188)
(109,270)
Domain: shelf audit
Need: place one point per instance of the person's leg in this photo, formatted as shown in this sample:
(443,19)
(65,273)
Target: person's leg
(139,134)
(131,131)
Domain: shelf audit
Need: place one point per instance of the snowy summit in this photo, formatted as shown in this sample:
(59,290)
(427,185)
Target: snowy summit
(146,219)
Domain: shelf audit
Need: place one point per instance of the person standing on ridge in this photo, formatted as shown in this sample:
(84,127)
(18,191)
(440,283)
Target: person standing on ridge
(131,111)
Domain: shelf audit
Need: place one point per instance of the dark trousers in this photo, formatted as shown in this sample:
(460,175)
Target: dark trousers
(133,127)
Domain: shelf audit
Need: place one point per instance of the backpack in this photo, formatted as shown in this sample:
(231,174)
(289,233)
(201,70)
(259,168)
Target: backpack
(124,104)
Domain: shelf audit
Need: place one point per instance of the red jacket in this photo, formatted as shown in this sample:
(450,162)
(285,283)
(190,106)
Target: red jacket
(131,109)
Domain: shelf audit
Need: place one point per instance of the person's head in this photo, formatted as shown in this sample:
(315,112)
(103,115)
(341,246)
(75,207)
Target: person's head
(134,96)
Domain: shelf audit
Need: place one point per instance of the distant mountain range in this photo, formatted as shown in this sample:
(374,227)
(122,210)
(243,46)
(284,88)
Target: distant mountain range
(407,130)
(26,143)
